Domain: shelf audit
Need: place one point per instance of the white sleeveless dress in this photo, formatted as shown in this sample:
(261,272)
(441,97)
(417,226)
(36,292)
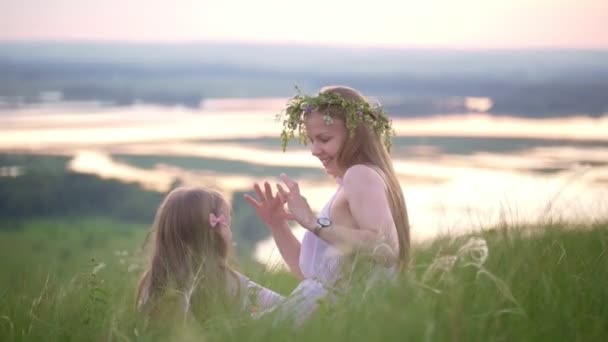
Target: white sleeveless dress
(321,264)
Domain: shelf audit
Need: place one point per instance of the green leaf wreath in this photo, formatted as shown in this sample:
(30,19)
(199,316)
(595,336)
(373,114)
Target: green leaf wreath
(357,112)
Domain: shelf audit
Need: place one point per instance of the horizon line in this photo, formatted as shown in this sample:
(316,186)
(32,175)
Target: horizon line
(345,46)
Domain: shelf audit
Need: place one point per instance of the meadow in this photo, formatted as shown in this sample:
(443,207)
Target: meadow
(73,279)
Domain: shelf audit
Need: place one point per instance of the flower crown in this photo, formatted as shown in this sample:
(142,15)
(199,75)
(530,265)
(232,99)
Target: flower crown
(356,113)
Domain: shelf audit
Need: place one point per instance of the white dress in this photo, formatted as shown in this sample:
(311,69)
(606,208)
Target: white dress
(321,265)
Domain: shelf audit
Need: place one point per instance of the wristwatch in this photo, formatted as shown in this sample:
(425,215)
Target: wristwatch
(322,223)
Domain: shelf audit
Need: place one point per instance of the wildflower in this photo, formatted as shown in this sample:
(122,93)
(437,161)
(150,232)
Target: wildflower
(98,268)
(474,252)
(440,266)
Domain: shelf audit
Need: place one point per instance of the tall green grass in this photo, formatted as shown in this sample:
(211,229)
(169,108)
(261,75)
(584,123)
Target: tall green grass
(545,283)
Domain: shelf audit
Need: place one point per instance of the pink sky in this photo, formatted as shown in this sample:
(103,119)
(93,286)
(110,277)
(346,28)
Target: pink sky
(398,23)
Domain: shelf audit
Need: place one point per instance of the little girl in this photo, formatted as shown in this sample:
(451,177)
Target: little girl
(188,267)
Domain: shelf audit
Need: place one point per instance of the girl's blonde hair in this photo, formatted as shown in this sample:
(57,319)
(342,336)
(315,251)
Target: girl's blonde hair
(366,147)
(189,258)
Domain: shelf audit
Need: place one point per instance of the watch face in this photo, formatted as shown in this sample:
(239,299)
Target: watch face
(324,222)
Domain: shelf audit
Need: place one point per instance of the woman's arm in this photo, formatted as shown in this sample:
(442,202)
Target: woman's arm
(368,203)
(271,211)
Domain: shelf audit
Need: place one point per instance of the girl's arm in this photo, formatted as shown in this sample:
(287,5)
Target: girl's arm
(259,297)
(264,298)
(271,211)
(289,247)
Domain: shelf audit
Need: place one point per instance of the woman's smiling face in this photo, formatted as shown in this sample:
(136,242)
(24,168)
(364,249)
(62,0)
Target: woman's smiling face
(326,141)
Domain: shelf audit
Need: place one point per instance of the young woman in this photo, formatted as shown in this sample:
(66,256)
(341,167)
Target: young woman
(367,213)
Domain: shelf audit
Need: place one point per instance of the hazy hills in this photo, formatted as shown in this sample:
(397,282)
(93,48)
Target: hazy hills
(532,83)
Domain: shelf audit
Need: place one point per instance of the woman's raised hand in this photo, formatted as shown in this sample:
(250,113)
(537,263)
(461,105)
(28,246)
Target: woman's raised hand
(297,204)
(269,208)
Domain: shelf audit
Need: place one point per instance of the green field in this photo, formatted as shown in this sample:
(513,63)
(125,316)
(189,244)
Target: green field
(71,251)
(537,283)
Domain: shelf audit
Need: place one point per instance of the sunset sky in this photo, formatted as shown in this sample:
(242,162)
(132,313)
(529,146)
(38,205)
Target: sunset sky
(393,23)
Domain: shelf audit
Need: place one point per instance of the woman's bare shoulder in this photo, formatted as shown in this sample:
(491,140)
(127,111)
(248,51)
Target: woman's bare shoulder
(362,175)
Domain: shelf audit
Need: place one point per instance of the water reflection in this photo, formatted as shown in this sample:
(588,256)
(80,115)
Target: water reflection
(458,173)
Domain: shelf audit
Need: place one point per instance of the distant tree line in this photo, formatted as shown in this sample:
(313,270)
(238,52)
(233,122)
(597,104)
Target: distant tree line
(38,193)
(46,189)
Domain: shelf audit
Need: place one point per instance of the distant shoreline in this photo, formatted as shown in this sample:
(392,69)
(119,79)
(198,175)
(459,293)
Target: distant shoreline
(410,82)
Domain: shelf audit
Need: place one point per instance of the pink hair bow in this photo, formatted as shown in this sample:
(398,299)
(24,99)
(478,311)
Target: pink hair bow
(214,220)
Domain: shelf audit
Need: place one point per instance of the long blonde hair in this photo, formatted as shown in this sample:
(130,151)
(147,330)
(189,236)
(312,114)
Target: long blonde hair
(188,257)
(366,147)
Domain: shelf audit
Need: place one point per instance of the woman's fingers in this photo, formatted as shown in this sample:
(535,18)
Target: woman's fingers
(291,184)
(289,216)
(280,196)
(282,193)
